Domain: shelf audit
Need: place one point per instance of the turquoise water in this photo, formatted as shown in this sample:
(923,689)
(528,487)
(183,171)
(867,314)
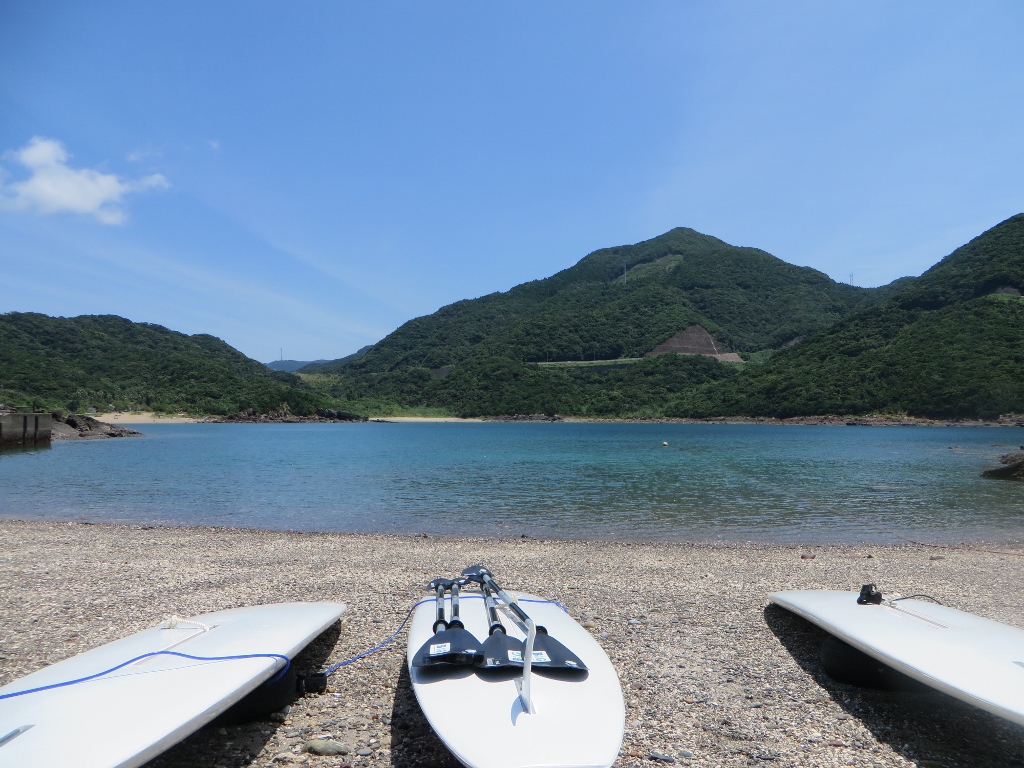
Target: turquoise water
(607,481)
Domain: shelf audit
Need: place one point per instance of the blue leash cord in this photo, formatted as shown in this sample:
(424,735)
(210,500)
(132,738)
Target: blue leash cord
(378,646)
(280,673)
(287,663)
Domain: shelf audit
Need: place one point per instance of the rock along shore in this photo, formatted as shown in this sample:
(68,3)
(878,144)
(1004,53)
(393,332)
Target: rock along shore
(76,426)
(711,674)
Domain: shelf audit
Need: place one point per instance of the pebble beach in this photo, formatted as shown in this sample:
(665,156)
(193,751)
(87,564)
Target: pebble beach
(711,673)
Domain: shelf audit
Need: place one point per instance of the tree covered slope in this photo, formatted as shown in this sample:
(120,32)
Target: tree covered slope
(949,344)
(104,360)
(747,298)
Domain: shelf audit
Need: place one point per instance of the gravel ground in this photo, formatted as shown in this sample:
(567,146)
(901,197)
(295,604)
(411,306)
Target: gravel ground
(712,675)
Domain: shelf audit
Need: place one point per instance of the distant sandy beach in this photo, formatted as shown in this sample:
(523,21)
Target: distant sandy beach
(711,673)
(141,417)
(423,419)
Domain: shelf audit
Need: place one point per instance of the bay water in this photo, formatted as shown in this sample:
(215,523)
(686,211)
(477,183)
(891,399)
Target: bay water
(796,484)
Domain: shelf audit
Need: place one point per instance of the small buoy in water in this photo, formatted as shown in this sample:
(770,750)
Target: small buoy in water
(665,443)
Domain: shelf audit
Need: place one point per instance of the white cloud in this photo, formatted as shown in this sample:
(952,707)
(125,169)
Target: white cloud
(138,155)
(55,187)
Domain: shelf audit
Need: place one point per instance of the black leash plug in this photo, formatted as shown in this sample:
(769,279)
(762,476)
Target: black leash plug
(315,683)
(869,596)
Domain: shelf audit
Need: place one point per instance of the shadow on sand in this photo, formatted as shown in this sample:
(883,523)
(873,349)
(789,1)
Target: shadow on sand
(234,746)
(926,726)
(413,741)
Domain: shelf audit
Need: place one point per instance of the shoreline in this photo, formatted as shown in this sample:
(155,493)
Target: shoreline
(826,421)
(1009,546)
(792,421)
(711,674)
(424,420)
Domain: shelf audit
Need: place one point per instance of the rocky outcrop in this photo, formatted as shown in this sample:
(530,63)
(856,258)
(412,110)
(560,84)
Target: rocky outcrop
(322,415)
(1012,469)
(329,415)
(79,427)
(526,417)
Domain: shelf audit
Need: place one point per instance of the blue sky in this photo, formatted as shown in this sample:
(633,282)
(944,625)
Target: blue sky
(309,176)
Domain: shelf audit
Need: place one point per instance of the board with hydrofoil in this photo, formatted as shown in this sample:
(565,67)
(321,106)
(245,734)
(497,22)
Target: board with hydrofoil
(971,658)
(166,683)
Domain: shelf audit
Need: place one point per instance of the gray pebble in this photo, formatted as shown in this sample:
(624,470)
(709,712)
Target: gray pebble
(684,668)
(364,752)
(661,758)
(326,747)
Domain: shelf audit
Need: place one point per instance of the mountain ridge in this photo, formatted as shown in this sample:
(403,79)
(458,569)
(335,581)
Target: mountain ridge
(940,345)
(105,361)
(949,344)
(747,298)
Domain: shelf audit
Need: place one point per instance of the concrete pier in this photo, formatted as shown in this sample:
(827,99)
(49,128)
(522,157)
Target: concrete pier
(24,429)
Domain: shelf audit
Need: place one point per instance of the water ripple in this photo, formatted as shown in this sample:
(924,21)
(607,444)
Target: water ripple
(609,481)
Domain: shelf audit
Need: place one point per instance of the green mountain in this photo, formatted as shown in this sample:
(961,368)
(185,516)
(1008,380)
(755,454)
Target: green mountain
(948,344)
(624,301)
(490,385)
(484,356)
(104,360)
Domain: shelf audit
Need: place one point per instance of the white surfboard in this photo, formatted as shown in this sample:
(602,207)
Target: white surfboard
(576,723)
(126,718)
(976,660)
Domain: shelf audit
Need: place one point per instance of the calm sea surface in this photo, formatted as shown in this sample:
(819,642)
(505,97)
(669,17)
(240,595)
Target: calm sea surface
(741,483)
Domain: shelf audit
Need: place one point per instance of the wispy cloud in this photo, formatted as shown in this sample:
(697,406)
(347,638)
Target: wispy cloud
(143,153)
(213,144)
(53,186)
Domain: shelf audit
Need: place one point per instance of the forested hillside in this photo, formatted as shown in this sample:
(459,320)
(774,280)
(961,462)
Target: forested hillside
(615,303)
(104,360)
(490,385)
(949,344)
(624,301)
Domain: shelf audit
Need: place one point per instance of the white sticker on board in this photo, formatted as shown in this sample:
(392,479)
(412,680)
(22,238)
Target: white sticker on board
(539,657)
(440,648)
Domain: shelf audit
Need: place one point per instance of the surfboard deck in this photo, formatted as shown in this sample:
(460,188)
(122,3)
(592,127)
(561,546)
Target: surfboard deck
(973,659)
(126,718)
(577,723)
